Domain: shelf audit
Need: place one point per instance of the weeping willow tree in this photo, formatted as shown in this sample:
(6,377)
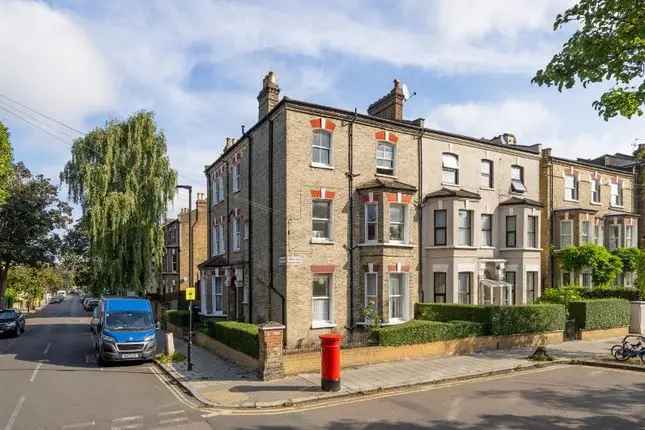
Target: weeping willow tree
(121,176)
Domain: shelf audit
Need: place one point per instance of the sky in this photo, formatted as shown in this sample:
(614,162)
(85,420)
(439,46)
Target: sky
(71,65)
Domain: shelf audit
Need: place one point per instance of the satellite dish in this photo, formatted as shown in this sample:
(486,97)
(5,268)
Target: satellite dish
(406,92)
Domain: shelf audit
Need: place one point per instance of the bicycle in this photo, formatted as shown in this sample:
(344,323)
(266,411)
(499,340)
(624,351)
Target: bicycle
(630,348)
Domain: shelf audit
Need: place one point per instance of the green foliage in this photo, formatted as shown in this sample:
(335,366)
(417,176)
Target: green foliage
(562,295)
(540,318)
(121,175)
(180,318)
(28,222)
(497,320)
(605,266)
(176,357)
(29,284)
(75,259)
(630,258)
(420,331)
(640,277)
(631,294)
(238,335)
(372,316)
(6,167)
(594,314)
(609,47)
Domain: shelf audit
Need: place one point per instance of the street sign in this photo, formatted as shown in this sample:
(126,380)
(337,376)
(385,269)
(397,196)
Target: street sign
(190,293)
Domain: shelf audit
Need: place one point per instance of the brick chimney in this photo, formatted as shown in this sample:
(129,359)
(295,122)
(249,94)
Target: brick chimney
(269,95)
(389,106)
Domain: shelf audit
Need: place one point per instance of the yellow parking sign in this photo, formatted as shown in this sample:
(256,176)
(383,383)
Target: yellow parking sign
(190,293)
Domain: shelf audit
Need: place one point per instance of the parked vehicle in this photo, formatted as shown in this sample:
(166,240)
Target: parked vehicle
(55,299)
(91,304)
(94,320)
(125,330)
(62,293)
(632,346)
(12,322)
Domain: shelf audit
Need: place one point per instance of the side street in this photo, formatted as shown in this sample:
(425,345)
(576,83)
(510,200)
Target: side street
(243,215)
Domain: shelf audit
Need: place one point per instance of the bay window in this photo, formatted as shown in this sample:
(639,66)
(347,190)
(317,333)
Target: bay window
(440,227)
(397,223)
(532,231)
(397,297)
(371,290)
(511,231)
(629,234)
(566,233)
(614,236)
(371,222)
(465,227)
(585,232)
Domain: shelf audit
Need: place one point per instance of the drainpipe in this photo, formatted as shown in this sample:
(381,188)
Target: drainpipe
(550,215)
(271,220)
(420,214)
(350,190)
(250,229)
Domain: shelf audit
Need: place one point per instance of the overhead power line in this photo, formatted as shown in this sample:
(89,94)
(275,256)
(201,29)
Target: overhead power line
(61,123)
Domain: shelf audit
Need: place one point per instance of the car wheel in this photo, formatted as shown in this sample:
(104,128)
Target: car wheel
(17,333)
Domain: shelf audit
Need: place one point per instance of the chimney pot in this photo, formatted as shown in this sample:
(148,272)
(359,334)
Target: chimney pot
(269,95)
(389,106)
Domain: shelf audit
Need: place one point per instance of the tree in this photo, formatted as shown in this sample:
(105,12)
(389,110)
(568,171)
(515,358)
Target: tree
(29,284)
(121,176)
(6,167)
(608,47)
(75,260)
(604,266)
(28,221)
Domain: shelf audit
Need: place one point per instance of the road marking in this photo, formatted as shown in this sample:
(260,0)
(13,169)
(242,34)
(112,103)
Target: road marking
(124,419)
(173,421)
(47,348)
(130,426)
(80,425)
(14,414)
(165,414)
(35,372)
(179,395)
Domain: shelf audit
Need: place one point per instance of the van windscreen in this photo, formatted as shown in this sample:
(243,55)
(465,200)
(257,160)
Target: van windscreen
(129,320)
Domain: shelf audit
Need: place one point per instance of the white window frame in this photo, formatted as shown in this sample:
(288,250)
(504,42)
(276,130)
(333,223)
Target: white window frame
(536,231)
(403,297)
(583,274)
(237,234)
(449,165)
(403,224)
(246,230)
(367,223)
(235,175)
(484,242)
(517,184)
(328,298)
(616,195)
(380,156)
(367,295)
(629,236)
(532,274)
(486,176)
(585,236)
(570,188)
(329,220)
(469,229)
(317,146)
(562,273)
(595,190)
(614,228)
(570,235)
(598,233)
(218,293)
(239,283)
(470,287)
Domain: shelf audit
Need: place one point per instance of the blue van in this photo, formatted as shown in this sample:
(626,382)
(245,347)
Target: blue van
(125,330)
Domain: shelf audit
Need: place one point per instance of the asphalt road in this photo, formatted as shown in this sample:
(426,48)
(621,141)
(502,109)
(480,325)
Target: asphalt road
(49,379)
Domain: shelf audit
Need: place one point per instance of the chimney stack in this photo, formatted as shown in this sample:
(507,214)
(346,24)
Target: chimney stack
(269,95)
(389,106)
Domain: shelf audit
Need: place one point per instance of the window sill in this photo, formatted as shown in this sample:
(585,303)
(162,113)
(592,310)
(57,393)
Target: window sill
(385,175)
(465,247)
(322,324)
(617,206)
(518,193)
(390,244)
(572,200)
(321,166)
(487,188)
(520,249)
(596,203)
(322,242)
(487,247)
(445,184)
(395,322)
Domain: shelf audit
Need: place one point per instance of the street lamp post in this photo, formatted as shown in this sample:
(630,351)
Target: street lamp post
(190,271)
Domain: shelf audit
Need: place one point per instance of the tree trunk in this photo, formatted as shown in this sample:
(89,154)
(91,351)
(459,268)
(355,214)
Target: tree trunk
(4,270)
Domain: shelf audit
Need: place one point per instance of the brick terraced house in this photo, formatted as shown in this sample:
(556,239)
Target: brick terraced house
(481,218)
(587,201)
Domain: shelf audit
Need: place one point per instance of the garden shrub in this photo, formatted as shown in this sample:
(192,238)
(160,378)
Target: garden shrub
(594,314)
(450,312)
(240,336)
(177,317)
(604,265)
(507,320)
(631,294)
(420,331)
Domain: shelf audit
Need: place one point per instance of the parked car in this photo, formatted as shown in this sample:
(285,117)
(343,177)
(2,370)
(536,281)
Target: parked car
(12,322)
(125,330)
(55,299)
(91,304)
(62,293)
(94,320)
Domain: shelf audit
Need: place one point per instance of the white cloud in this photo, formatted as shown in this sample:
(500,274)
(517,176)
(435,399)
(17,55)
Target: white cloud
(51,63)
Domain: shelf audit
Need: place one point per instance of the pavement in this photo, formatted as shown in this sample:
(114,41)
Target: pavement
(219,383)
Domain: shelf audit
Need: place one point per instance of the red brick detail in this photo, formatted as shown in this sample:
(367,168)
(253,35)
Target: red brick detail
(329,194)
(379,135)
(323,268)
(405,268)
(329,126)
(391,197)
(318,194)
(392,138)
(316,123)
(315,194)
(392,268)
(406,198)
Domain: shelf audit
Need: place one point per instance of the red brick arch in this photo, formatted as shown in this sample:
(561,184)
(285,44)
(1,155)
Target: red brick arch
(386,136)
(323,124)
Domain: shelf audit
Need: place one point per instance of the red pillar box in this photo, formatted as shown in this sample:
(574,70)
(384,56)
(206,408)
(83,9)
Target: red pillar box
(330,361)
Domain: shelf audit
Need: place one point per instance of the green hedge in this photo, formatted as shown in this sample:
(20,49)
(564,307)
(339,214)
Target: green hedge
(507,320)
(498,320)
(449,312)
(600,313)
(178,318)
(631,294)
(240,336)
(419,331)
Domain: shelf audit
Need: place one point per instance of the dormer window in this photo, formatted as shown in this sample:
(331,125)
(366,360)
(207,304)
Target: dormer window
(450,169)
(321,148)
(517,179)
(385,158)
